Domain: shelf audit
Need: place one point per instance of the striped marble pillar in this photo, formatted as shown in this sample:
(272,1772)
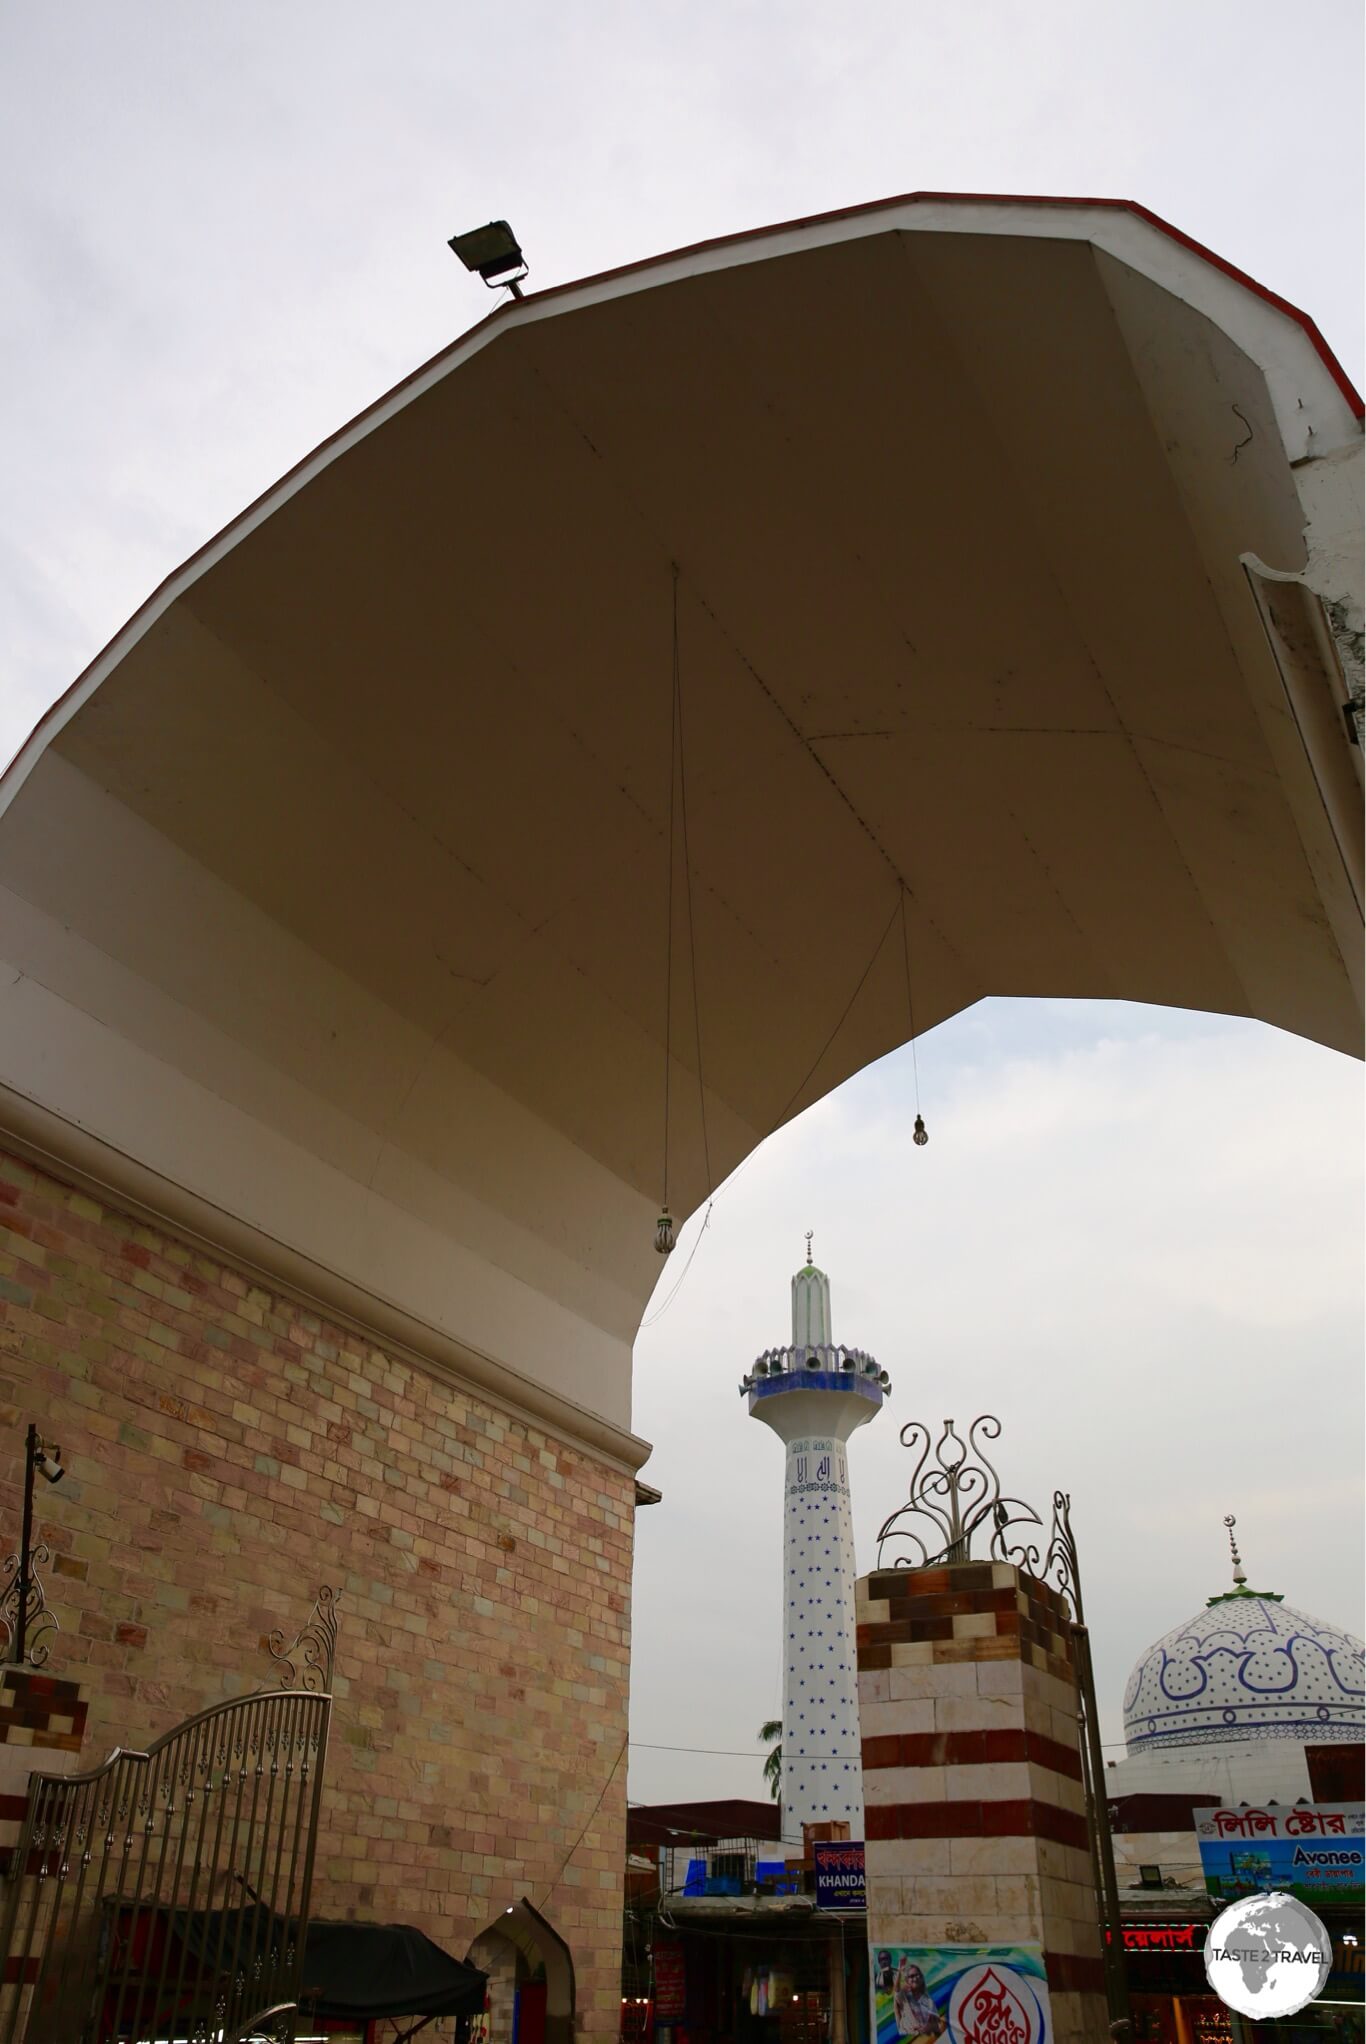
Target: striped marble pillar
(975,1819)
(42,1730)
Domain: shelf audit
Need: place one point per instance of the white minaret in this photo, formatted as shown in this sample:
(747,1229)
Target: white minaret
(813,1395)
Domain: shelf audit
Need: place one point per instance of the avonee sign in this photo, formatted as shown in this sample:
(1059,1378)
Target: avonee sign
(1315,1851)
(839,1874)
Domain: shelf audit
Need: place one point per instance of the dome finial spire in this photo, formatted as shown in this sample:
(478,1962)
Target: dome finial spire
(809,1260)
(1239,1575)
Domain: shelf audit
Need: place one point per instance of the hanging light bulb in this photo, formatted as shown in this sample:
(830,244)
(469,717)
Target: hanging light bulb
(921,1134)
(664,1232)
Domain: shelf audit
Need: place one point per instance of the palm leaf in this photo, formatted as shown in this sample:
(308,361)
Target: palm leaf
(771,1735)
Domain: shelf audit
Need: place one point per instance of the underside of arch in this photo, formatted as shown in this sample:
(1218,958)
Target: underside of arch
(1016,613)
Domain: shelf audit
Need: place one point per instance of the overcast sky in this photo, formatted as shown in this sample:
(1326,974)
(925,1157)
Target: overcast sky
(1134,1234)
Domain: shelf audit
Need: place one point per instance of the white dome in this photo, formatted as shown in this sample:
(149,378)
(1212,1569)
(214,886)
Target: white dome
(1248,1666)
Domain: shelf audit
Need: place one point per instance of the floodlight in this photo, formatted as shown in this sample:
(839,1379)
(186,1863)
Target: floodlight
(494,253)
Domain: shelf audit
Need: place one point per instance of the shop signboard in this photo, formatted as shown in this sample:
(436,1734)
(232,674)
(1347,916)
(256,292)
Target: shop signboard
(839,1874)
(671,1982)
(1164,1937)
(1314,1851)
(962,1994)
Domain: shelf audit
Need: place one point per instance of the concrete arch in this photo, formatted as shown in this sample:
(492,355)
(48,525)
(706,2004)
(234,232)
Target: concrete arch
(1019,596)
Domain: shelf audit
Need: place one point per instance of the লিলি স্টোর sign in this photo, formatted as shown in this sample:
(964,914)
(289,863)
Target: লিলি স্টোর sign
(1315,1851)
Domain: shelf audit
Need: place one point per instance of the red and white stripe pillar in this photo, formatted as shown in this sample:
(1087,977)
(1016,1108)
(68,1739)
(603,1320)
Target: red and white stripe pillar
(975,1817)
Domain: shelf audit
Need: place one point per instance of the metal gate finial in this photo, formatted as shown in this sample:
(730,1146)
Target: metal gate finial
(306,1663)
(38,1619)
(947,1504)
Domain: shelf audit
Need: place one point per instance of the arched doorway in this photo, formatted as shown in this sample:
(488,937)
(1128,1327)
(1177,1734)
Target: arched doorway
(531,1978)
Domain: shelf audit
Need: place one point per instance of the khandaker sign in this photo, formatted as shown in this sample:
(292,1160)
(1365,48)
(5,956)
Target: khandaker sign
(839,1875)
(964,1994)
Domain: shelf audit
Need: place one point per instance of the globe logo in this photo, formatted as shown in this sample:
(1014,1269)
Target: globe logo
(1267,1955)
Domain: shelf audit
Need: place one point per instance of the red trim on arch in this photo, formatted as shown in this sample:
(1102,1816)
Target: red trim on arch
(1330,360)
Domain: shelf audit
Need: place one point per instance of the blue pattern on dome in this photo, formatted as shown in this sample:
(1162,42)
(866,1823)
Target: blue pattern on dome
(1246,1667)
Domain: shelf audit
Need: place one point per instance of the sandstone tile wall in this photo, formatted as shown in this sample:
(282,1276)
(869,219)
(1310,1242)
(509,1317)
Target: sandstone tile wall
(227,1452)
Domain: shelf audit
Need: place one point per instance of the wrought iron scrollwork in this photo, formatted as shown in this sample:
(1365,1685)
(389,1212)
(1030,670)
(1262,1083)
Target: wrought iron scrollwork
(951,1499)
(40,1621)
(1060,1563)
(957,1495)
(306,1662)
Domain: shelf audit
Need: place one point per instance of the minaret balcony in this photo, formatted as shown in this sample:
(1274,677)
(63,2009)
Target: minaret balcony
(820,1367)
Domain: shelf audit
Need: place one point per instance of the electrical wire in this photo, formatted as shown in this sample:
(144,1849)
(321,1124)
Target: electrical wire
(847,1011)
(761,1753)
(677,1286)
(669,897)
(899,907)
(687,885)
(910,1003)
(588,1825)
(734,1752)
(669,1298)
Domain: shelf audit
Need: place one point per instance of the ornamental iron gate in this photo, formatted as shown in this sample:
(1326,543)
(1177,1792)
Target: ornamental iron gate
(166,1894)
